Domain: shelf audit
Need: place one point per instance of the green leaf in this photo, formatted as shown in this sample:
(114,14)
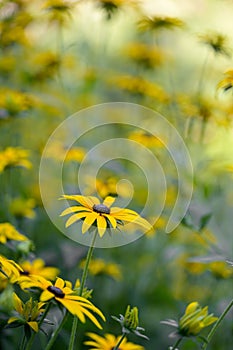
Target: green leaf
(204,221)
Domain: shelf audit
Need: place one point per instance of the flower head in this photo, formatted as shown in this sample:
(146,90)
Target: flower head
(14,157)
(26,314)
(38,268)
(102,214)
(195,319)
(108,342)
(63,293)
(9,232)
(21,207)
(99,267)
(226,83)
(9,269)
(157,23)
(130,322)
(217,42)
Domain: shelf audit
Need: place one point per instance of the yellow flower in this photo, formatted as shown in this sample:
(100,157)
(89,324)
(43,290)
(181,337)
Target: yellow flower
(14,102)
(10,269)
(9,232)
(21,207)
(14,157)
(27,313)
(220,269)
(63,293)
(144,55)
(141,86)
(105,216)
(108,342)
(157,23)
(38,268)
(99,266)
(195,319)
(59,10)
(58,151)
(110,186)
(217,42)
(226,83)
(110,6)
(146,139)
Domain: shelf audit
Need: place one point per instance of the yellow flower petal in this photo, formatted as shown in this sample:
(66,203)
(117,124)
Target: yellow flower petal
(109,201)
(111,219)
(75,209)
(33,325)
(101,224)
(18,304)
(59,283)
(46,295)
(89,220)
(75,218)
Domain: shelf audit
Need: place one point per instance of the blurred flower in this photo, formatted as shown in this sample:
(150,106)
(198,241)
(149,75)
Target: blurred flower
(217,42)
(144,55)
(111,186)
(130,322)
(59,10)
(14,157)
(219,269)
(15,102)
(59,152)
(157,23)
(145,138)
(99,267)
(21,207)
(9,269)
(141,86)
(38,268)
(26,314)
(110,6)
(108,342)
(105,217)
(9,232)
(195,319)
(226,83)
(63,293)
(7,64)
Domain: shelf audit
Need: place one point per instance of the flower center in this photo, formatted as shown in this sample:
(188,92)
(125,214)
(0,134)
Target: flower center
(101,209)
(24,273)
(56,291)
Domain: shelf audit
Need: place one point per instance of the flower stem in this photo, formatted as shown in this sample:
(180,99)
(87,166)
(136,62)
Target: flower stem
(120,341)
(176,344)
(216,325)
(30,342)
(55,334)
(82,285)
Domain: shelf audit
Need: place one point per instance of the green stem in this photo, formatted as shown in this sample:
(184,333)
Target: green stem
(216,325)
(30,342)
(23,342)
(57,331)
(120,341)
(82,285)
(176,344)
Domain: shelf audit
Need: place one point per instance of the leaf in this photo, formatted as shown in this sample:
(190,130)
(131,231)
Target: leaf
(204,221)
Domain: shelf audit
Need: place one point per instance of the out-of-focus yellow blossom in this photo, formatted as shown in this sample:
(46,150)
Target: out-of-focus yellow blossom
(21,207)
(195,319)
(9,232)
(108,342)
(226,83)
(220,269)
(15,102)
(37,268)
(43,66)
(63,293)
(9,269)
(99,267)
(26,314)
(141,86)
(59,11)
(160,224)
(59,152)
(7,64)
(92,212)
(145,55)
(217,42)
(145,138)
(156,23)
(110,6)
(111,186)
(14,157)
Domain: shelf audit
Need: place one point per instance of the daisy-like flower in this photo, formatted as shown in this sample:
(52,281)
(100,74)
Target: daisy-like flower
(63,293)
(9,232)
(22,207)
(108,342)
(226,83)
(14,157)
(26,314)
(38,268)
(9,269)
(100,214)
(101,267)
(193,321)
(217,42)
(157,23)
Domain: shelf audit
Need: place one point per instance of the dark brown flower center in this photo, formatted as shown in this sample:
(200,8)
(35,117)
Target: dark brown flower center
(101,209)
(24,273)
(56,291)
